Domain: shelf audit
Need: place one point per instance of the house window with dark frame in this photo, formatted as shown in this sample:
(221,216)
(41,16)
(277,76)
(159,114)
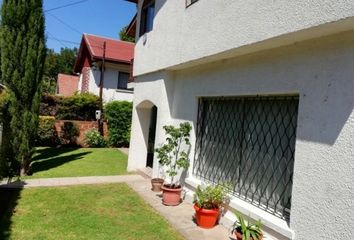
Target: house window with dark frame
(123,79)
(190,2)
(147,17)
(249,142)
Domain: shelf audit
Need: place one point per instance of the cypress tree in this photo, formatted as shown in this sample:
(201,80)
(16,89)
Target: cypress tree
(22,45)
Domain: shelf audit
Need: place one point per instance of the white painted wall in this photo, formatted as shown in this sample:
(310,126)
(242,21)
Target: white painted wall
(321,71)
(232,27)
(110,91)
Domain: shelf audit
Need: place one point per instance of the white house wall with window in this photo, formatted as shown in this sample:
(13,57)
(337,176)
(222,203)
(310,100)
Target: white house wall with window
(269,90)
(117,67)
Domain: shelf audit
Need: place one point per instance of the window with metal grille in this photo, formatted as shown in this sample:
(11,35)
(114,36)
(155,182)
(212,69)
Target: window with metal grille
(190,2)
(249,142)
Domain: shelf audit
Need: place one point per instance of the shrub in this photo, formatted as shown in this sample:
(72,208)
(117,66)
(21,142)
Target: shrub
(119,114)
(78,107)
(47,134)
(69,133)
(211,197)
(94,139)
(49,105)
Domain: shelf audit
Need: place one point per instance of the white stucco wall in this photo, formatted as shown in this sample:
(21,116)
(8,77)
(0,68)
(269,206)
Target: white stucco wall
(321,71)
(110,91)
(213,27)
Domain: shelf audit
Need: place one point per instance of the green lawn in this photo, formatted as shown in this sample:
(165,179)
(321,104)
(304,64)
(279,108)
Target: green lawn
(111,211)
(75,162)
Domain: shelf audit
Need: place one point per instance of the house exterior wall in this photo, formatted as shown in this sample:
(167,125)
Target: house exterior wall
(321,72)
(110,91)
(227,28)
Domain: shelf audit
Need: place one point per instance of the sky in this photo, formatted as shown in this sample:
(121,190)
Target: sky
(99,17)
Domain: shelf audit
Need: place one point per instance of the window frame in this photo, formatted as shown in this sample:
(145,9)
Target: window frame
(143,17)
(206,132)
(128,75)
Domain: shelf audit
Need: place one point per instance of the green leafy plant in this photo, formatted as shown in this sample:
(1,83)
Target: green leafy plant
(94,139)
(211,197)
(69,133)
(174,153)
(78,107)
(46,133)
(248,230)
(119,116)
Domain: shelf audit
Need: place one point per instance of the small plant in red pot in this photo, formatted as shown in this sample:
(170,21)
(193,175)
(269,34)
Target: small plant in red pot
(207,204)
(243,230)
(173,155)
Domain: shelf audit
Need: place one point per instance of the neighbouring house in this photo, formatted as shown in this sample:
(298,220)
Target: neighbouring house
(117,68)
(269,89)
(67,85)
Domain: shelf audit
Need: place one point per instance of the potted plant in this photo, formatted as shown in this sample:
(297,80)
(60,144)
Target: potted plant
(207,204)
(156,183)
(173,155)
(246,231)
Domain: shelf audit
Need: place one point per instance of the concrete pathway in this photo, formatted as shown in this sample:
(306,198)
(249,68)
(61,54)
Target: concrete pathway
(68,181)
(124,150)
(180,217)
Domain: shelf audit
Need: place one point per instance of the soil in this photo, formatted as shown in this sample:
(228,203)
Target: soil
(172,186)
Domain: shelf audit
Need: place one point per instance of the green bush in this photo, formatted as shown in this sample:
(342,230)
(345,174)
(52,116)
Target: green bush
(46,133)
(49,105)
(69,133)
(94,139)
(78,107)
(119,114)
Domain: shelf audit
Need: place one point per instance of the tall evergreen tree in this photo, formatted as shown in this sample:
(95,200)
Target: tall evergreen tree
(22,59)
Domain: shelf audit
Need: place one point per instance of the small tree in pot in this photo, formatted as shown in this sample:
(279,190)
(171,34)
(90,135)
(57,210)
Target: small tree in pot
(173,155)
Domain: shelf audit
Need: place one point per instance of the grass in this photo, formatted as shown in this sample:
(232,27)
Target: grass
(111,211)
(75,162)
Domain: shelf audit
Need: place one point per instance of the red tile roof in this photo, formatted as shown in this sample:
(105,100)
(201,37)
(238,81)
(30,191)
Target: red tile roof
(91,49)
(116,50)
(67,84)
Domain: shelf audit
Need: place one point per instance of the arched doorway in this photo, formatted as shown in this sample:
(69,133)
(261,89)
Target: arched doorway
(151,138)
(145,135)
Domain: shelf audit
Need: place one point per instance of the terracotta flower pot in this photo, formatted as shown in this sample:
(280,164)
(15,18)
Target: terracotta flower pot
(171,196)
(206,218)
(156,184)
(239,236)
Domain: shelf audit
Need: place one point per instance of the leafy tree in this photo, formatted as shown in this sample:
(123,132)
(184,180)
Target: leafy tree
(56,63)
(23,54)
(124,37)
(174,153)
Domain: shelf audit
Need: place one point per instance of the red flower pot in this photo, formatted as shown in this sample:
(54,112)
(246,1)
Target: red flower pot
(171,196)
(206,218)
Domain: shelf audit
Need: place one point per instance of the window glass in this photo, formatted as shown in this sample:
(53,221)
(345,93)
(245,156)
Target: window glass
(249,142)
(147,17)
(123,80)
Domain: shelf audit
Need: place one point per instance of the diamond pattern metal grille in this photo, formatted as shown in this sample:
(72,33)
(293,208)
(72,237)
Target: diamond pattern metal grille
(250,142)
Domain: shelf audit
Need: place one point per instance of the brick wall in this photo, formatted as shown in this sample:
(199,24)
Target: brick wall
(85,79)
(83,126)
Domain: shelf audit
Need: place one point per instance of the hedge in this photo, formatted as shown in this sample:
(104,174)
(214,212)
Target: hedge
(119,115)
(77,107)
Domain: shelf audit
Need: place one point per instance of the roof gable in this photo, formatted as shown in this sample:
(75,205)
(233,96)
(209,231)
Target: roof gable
(91,49)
